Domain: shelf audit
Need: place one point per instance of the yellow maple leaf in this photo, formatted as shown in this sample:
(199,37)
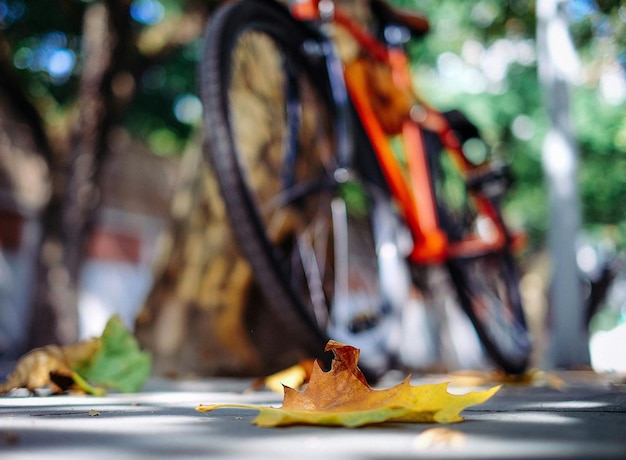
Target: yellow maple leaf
(342,397)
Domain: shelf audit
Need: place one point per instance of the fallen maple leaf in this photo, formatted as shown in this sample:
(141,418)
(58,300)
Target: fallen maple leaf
(342,397)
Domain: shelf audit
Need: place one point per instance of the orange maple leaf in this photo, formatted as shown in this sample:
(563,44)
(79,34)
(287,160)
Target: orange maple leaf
(342,397)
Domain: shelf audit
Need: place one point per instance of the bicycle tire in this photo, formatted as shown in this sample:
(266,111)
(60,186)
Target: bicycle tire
(487,284)
(485,279)
(276,197)
(487,287)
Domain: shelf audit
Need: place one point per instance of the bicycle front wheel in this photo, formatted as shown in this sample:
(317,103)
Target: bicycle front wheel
(271,127)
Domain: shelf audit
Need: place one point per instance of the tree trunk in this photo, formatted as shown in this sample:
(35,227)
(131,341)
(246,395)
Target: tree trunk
(194,318)
(67,219)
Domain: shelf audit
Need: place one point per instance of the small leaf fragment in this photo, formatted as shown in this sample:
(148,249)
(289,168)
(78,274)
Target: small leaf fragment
(440,437)
(342,397)
(533,377)
(294,377)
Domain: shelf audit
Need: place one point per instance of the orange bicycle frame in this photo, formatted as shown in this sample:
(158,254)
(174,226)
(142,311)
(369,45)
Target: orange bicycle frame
(410,185)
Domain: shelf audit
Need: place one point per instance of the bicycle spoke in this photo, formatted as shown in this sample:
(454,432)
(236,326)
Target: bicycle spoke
(313,270)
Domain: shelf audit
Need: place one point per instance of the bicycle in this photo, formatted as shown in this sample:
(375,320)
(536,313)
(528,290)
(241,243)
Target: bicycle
(344,214)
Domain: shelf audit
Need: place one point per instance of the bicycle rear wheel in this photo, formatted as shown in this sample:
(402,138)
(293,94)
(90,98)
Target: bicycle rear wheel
(487,284)
(273,139)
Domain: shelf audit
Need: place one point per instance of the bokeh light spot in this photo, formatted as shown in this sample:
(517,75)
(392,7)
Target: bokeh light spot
(188,109)
(147,11)
(60,63)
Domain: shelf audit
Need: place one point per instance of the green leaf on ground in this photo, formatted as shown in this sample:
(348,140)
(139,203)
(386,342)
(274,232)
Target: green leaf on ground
(118,363)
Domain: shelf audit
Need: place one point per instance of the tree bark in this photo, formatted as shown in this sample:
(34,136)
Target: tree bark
(67,218)
(193,320)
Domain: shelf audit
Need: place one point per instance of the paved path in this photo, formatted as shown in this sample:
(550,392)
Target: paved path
(584,419)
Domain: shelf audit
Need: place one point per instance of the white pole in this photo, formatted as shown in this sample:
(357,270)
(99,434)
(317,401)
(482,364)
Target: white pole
(558,68)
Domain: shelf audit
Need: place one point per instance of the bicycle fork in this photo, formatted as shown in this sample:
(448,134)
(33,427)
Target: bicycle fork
(372,281)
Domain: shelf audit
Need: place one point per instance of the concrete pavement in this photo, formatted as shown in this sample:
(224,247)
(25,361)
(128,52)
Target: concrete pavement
(585,418)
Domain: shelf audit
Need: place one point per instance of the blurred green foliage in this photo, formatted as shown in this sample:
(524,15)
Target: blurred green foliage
(44,41)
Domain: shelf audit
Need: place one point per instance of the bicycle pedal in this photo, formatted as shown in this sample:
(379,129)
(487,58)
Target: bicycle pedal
(368,321)
(363,323)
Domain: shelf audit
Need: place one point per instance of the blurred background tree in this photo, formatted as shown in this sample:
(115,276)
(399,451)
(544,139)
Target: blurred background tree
(78,72)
